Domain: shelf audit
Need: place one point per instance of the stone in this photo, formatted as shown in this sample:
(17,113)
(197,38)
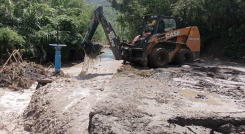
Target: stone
(27,128)
(201,97)
(241,128)
(238,93)
(227,128)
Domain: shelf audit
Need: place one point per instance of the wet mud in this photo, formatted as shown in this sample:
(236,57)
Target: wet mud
(63,106)
(224,81)
(104,96)
(219,124)
(194,98)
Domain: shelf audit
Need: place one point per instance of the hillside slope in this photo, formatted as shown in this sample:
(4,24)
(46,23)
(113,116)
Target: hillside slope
(110,13)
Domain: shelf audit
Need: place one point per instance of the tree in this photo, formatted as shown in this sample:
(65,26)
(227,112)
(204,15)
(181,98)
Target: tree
(35,22)
(8,39)
(219,21)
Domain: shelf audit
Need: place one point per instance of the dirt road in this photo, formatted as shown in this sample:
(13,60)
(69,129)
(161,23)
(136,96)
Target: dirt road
(64,105)
(114,98)
(193,98)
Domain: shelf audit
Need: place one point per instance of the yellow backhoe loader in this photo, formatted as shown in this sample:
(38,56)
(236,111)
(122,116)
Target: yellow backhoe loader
(151,47)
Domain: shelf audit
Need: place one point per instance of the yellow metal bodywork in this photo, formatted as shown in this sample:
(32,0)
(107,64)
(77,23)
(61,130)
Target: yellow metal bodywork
(189,35)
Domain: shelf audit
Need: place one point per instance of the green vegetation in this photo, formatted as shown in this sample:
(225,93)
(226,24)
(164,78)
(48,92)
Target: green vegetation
(221,22)
(31,25)
(110,13)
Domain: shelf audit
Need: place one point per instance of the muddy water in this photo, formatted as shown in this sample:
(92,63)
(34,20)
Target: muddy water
(95,81)
(91,65)
(74,97)
(106,56)
(12,105)
(210,99)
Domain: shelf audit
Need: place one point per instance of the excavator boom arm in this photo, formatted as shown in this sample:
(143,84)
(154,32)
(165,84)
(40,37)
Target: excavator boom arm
(113,38)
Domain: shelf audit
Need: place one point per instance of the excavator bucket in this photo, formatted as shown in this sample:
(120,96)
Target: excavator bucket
(92,49)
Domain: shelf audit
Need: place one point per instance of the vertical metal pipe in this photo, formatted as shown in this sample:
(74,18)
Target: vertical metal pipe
(57,34)
(57,53)
(57,59)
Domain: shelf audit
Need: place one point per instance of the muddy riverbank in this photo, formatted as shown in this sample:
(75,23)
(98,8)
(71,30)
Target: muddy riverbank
(104,96)
(195,98)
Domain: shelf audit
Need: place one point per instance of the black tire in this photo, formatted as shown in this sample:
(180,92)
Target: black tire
(158,57)
(184,56)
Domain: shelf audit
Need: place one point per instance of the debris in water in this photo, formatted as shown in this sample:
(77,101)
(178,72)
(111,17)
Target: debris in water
(201,97)
(87,63)
(21,75)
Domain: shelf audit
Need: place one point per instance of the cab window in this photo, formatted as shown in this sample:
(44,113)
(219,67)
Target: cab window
(169,25)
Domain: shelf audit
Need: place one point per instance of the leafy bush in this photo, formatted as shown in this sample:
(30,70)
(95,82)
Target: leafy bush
(9,39)
(32,25)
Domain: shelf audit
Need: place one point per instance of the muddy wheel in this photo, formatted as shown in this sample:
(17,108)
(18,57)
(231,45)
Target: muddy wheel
(158,57)
(184,56)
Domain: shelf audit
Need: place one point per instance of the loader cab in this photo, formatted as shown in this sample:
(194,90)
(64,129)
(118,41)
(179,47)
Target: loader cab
(163,24)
